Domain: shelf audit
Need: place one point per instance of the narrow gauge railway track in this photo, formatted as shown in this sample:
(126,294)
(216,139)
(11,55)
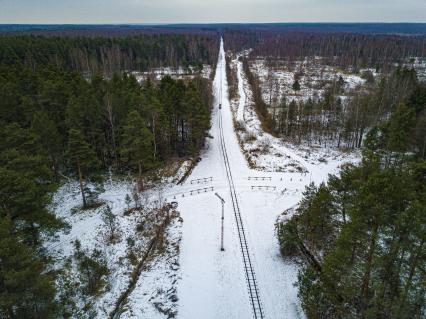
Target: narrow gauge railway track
(253,288)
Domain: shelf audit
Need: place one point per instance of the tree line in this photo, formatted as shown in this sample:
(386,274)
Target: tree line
(361,236)
(355,50)
(102,55)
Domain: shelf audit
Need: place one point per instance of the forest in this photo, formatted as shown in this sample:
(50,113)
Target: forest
(73,112)
(56,123)
(331,121)
(107,55)
(355,49)
(334,118)
(361,235)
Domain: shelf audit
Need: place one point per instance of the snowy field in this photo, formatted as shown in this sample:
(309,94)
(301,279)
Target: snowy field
(194,278)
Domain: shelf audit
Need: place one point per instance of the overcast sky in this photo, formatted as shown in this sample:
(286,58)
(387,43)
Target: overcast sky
(209,11)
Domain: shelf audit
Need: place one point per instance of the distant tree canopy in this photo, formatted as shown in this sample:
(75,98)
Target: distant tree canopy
(338,48)
(103,55)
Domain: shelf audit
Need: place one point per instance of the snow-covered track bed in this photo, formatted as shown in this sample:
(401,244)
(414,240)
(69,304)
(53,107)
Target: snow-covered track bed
(253,288)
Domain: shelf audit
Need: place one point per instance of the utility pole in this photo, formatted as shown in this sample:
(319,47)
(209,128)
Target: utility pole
(222,201)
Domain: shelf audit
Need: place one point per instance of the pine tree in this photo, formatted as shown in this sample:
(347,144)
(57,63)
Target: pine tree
(154,113)
(25,290)
(85,115)
(49,137)
(83,157)
(137,143)
(199,118)
(401,125)
(25,183)
(110,221)
(296,85)
(92,267)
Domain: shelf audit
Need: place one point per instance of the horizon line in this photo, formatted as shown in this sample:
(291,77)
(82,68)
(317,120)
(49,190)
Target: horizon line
(210,23)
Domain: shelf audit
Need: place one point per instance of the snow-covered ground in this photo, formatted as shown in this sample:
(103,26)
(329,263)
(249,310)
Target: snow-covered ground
(277,78)
(196,278)
(176,73)
(156,285)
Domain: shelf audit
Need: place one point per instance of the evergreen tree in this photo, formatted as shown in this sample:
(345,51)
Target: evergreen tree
(296,85)
(153,111)
(25,183)
(93,269)
(110,221)
(50,139)
(137,143)
(84,114)
(25,290)
(400,128)
(84,159)
(199,119)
